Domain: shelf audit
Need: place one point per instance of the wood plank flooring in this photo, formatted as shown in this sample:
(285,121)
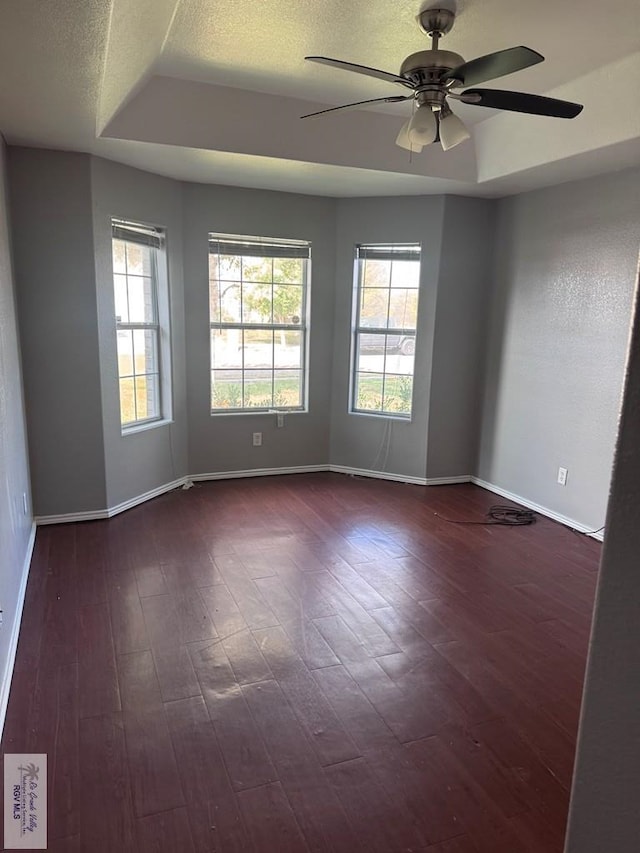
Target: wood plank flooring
(305,663)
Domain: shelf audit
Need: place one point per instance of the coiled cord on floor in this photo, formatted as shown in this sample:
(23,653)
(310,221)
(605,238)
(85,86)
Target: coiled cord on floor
(510,516)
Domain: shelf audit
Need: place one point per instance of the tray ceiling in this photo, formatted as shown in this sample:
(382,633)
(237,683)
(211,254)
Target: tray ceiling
(212,91)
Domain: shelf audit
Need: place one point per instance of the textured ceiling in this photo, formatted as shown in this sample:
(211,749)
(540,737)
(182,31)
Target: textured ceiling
(212,90)
(261,46)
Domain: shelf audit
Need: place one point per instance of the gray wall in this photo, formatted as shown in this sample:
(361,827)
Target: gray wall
(223,442)
(460,336)
(456,235)
(564,277)
(357,440)
(55,282)
(604,813)
(558,309)
(15,524)
(138,462)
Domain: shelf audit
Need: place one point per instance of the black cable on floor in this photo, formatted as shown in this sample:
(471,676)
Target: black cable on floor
(500,514)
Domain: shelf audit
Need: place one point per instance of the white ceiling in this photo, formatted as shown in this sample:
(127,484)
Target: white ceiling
(212,90)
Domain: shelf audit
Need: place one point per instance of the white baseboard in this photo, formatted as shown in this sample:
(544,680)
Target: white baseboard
(309,469)
(400,478)
(258,472)
(378,475)
(147,496)
(68,517)
(98,514)
(15,630)
(448,481)
(543,510)
(95,515)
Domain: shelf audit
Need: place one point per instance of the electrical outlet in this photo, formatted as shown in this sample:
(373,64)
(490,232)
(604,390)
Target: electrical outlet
(562,476)
(280,420)
(25,506)
(257,439)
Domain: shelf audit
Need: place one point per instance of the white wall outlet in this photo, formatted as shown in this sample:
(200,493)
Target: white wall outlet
(25,506)
(257,439)
(280,420)
(562,476)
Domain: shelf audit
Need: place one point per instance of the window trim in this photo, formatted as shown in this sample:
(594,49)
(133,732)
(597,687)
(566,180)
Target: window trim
(155,238)
(389,252)
(267,247)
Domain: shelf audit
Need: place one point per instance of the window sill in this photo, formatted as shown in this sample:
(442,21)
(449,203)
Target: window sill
(253,412)
(406,419)
(136,428)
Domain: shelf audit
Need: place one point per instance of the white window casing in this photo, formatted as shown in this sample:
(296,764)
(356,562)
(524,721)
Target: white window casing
(259,323)
(384,327)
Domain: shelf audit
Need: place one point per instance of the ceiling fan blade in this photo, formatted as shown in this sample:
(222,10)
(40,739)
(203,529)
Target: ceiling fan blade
(392,100)
(404,142)
(521,102)
(493,65)
(361,69)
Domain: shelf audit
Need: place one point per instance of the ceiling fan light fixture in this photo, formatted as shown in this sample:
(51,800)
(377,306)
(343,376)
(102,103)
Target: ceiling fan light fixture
(423,126)
(452,130)
(404,142)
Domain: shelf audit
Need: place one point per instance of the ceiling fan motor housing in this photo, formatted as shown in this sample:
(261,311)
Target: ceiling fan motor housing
(425,68)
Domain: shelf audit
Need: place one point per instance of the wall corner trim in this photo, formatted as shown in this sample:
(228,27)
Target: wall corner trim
(543,510)
(7,675)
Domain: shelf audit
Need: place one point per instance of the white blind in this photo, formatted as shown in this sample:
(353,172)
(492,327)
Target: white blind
(389,252)
(258,247)
(133,232)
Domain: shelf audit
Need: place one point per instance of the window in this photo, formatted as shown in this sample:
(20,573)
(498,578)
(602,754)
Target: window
(385,315)
(258,296)
(141,322)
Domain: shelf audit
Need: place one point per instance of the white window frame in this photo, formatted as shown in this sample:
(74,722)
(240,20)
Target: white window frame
(266,247)
(154,238)
(379,251)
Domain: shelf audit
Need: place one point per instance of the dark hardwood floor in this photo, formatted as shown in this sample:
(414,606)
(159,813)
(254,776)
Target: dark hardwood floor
(305,663)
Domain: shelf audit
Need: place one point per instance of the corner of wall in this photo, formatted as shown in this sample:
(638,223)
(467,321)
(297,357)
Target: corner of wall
(461,309)
(50,196)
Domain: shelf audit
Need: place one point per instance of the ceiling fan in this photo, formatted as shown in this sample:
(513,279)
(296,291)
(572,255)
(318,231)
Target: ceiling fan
(433,76)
